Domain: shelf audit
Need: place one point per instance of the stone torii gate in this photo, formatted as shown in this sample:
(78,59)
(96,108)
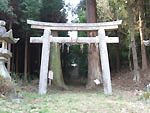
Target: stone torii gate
(101,39)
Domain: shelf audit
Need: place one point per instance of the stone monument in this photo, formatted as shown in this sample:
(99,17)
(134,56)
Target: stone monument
(5,38)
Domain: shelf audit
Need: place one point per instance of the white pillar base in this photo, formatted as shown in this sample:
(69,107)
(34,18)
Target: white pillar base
(3,70)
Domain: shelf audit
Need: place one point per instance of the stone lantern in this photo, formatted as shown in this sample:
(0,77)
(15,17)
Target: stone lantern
(5,38)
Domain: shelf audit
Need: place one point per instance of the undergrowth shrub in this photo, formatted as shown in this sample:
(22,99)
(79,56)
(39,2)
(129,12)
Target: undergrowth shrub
(6,86)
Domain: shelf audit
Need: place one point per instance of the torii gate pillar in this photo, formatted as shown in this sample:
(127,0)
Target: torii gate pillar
(44,62)
(104,62)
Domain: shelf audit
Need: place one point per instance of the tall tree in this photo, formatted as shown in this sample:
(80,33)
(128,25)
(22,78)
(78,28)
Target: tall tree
(142,34)
(11,3)
(131,21)
(55,64)
(54,16)
(30,9)
(94,69)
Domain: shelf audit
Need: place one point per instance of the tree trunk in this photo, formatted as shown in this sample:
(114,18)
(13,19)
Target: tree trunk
(136,77)
(117,55)
(141,29)
(9,46)
(55,64)
(17,57)
(9,59)
(39,56)
(26,59)
(118,58)
(94,69)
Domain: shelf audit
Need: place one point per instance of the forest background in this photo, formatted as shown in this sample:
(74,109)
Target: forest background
(129,55)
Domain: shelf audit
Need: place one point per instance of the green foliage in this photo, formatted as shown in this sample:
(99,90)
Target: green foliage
(5,8)
(51,11)
(19,77)
(80,57)
(146,97)
(16,13)
(81,11)
(110,10)
(4,5)
(30,9)
(75,55)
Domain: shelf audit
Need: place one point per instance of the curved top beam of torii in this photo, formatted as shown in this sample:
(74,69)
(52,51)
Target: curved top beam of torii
(74,26)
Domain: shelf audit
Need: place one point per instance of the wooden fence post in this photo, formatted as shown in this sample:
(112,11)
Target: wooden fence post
(44,62)
(104,62)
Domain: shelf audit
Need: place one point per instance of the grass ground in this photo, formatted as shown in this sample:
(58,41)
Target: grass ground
(125,99)
(76,100)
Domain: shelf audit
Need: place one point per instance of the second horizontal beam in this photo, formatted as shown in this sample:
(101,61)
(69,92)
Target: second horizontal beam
(74,40)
